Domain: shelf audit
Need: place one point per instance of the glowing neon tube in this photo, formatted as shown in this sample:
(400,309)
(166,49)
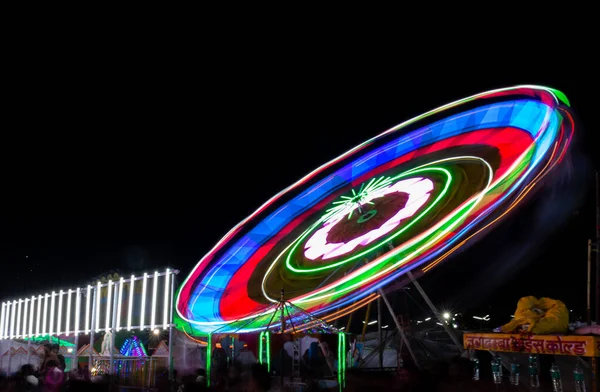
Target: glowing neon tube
(59,318)
(51,320)
(2,320)
(68,322)
(130,302)
(98,295)
(12,319)
(45,319)
(154,293)
(166,300)
(88,299)
(31,312)
(109,290)
(143,308)
(119,300)
(18,328)
(77,310)
(38,317)
(7,320)
(25,319)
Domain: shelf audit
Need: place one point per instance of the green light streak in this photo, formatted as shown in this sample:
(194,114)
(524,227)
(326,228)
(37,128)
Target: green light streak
(264,349)
(208,358)
(49,339)
(341,368)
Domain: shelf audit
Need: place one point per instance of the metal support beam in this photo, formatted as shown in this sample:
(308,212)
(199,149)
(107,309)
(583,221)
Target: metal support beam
(349,322)
(366,322)
(436,313)
(400,329)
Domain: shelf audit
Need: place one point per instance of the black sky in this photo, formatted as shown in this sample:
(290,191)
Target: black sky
(134,169)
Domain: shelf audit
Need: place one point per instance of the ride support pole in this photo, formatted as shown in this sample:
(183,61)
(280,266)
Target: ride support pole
(349,321)
(437,314)
(400,329)
(366,322)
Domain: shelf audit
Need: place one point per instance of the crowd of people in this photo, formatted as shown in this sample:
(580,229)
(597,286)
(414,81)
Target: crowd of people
(256,379)
(50,376)
(452,376)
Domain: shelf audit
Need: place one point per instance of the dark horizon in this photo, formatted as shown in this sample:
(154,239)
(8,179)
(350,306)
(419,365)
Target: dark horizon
(154,177)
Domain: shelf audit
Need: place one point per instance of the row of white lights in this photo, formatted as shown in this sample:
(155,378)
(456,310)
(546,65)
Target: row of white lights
(16,311)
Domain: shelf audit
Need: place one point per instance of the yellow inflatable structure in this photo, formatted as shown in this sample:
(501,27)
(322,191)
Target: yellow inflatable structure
(542,316)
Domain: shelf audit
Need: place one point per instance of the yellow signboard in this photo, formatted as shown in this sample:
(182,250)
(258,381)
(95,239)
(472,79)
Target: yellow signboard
(584,346)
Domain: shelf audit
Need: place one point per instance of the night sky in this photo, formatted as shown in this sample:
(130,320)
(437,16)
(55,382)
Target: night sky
(135,170)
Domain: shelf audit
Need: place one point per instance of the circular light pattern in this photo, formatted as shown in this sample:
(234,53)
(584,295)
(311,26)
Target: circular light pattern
(401,201)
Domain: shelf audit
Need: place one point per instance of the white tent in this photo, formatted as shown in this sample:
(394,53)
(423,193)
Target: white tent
(18,355)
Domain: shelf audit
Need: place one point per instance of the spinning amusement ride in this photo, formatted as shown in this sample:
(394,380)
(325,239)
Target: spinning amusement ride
(401,201)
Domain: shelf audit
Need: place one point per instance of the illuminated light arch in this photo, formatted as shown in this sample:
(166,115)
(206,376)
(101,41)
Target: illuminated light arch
(343,231)
(70,312)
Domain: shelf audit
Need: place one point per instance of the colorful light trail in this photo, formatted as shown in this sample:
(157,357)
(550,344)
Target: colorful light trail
(403,200)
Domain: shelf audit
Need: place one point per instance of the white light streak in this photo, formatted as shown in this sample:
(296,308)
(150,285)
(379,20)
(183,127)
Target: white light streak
(153,309)
(18,329)
(143,308)
(7,320)
(88,299)
(25,313)
(166,301)
(108,307)
(44,321)
(68,323)
(51,320)
(39,316)
(31,310)
(119,300)
(2,320)
(59,319)
(12,320)
(98,293)
(130,305)
(77,310)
